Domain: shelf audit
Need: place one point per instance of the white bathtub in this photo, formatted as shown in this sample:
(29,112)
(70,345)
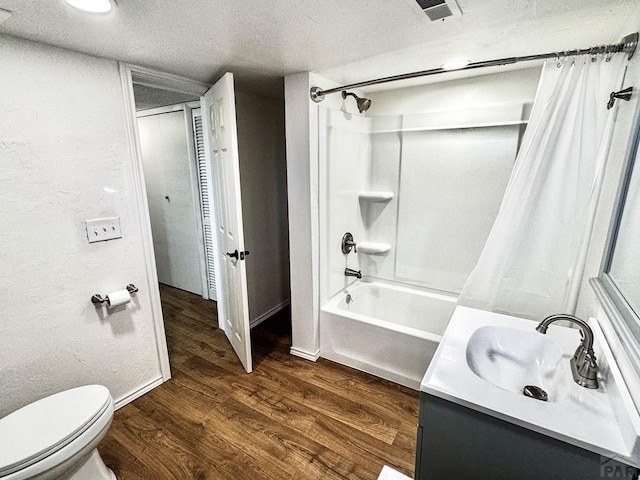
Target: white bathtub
(388,330)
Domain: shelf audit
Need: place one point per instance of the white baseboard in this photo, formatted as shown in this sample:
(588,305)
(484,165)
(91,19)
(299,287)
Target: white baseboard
(121,402)
(313,356)
(257,321)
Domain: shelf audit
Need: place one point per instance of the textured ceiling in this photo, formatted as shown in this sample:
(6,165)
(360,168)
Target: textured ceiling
(149,97)
(260,41)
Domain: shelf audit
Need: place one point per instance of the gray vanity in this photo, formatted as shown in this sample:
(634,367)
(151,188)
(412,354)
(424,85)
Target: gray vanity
(476,423)
(455,442)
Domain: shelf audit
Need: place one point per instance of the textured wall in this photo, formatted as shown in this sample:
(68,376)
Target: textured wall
(63,159)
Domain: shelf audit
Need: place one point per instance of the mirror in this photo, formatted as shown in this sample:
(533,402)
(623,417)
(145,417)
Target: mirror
(624,264)
(618,286)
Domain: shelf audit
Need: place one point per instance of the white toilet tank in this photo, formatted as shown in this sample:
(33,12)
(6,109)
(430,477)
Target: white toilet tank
(42,428)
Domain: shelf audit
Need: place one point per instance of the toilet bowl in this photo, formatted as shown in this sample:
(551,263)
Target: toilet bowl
(56,437)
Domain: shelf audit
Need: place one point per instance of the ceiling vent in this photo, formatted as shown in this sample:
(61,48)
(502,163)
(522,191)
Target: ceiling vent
(439,9)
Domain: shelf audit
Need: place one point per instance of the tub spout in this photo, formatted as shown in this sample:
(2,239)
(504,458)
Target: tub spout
(348,272)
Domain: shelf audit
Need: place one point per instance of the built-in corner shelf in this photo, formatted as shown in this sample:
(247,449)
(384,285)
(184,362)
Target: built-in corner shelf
(371,248)
(375,197)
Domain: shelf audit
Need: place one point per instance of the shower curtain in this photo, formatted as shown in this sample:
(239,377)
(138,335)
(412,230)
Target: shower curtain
(533,261)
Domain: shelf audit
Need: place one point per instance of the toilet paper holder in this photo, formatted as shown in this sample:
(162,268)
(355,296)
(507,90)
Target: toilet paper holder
(97,298)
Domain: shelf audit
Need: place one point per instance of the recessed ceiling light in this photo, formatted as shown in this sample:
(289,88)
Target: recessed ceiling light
(92,6)
(455,65)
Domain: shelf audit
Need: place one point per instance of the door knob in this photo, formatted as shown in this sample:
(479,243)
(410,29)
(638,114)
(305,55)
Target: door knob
(238,255)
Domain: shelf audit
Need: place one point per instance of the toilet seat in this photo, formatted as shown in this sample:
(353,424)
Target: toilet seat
(42,428)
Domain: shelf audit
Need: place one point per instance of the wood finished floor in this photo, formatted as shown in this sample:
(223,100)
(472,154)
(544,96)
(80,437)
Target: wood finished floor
(290,418)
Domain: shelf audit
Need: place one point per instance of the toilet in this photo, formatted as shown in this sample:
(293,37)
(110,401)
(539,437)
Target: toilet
(56,437)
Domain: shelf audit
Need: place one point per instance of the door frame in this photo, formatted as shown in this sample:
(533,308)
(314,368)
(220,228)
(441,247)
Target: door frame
(130,74)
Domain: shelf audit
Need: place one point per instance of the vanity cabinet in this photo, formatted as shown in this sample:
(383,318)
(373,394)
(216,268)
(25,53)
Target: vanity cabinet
(455,442)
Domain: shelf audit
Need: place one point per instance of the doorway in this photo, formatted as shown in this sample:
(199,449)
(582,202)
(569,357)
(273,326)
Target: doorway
(257,144)
(176,185)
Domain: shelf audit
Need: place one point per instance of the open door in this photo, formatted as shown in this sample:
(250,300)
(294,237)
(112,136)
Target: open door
(221,138)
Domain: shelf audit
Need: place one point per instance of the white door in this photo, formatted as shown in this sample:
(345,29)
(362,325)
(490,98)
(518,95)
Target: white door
(173,206)
(219,115)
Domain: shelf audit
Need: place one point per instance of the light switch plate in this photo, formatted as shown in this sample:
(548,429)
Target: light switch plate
(101,229)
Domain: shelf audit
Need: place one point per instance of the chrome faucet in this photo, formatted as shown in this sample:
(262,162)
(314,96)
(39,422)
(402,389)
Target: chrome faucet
(583,364)
(348,272)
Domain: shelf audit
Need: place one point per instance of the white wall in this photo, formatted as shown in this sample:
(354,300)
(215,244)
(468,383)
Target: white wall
(263,181)
(64,158)
(301,126)
(169,172)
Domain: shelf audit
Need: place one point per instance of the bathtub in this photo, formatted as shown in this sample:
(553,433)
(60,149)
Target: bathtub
(388,330)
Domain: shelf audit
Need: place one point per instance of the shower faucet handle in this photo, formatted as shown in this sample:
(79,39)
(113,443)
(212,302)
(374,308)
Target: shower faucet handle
(348,243)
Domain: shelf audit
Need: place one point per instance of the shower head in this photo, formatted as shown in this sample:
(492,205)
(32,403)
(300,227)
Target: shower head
(363,103)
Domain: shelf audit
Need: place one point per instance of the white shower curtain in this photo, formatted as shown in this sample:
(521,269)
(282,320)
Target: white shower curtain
(533,260)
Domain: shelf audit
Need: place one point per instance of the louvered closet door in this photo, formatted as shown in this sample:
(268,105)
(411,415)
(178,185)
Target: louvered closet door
(206,194)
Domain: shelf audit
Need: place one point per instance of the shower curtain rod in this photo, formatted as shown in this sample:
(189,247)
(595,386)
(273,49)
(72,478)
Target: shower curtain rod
(627,45)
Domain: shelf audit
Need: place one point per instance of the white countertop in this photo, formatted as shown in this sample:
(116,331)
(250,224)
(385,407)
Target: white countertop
(603,421)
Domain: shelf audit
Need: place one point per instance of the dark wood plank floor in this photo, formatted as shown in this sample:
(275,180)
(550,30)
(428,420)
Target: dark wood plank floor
(290,418)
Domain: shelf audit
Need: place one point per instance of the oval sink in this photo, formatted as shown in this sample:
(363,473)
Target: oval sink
(511,359)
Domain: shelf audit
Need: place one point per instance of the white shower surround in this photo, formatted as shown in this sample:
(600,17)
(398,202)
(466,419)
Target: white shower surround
(312,246)
(376,187)
(386,329)
(441,176)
